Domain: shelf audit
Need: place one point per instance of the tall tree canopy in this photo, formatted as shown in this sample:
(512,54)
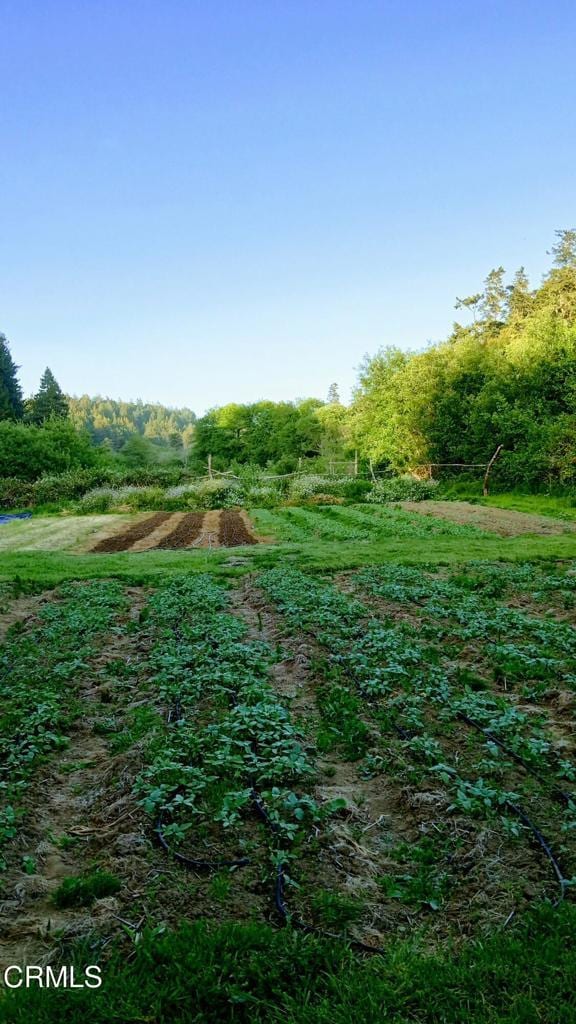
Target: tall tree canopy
(115,421)
(508,378)
(48,401)
(11,404)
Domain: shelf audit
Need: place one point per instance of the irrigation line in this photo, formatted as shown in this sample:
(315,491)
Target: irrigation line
(175,715)
(556,792)
(523,817)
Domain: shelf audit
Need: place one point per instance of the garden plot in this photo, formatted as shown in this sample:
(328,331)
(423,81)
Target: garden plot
(285,751)
(166,531)
(467,754)
(504,522)
(355,524)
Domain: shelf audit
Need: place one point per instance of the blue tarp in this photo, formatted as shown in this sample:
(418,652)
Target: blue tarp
(17,515)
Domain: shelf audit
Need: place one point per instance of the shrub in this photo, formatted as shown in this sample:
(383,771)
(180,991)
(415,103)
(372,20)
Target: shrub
(101,499)
(263,496)
(313,483)
(356,490)
(401,488)
(324,499)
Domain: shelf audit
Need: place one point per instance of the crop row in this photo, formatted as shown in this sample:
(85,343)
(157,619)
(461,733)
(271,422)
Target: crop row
(231,740)
(333,522)
(410,689)
(40,668)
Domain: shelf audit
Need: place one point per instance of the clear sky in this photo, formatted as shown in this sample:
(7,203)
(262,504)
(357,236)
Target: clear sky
(204,201)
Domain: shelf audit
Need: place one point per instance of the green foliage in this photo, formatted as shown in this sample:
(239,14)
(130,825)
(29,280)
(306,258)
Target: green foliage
(401,488)
(48,401)
(114,422)
(11,405)
(266,434)
(82,892)
(27,451)
(138,452)
(508,378)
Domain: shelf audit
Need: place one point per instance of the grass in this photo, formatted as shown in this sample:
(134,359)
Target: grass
(83,892)
(48,568)
(255,975)
(556,506)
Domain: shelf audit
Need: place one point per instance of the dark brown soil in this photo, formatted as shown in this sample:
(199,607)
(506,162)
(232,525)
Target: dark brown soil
(183,535)
(233,531)
(124,541)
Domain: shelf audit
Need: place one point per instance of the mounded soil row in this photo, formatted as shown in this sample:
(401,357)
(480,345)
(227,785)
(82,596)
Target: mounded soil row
(183,535)
(233,531)
(125,540)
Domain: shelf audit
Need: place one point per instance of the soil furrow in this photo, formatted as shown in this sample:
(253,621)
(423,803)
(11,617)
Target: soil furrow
(123,541)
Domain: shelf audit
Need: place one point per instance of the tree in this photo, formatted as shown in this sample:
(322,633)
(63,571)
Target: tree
(564,250)
(138,451)
(519,295)
(333,395)
(470,302)
(494,297)
(11,405)
(49,400)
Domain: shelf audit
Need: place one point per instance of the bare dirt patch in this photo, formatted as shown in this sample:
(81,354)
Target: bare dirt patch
(125,539)
(504,522)
(22,609)
(233,531)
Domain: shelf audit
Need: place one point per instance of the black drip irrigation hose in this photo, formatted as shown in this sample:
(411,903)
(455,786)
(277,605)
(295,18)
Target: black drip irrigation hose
(518,811)
(175,715)
(555,791)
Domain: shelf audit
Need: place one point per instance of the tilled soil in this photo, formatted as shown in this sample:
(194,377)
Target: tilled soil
(184,533)
(233,531)
(504,522)
(124,540)
(176,531)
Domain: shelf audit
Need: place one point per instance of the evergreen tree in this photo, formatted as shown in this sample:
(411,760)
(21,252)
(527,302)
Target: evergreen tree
(333,395)
(564,250)
(494,298)
(11,405)
(49,399)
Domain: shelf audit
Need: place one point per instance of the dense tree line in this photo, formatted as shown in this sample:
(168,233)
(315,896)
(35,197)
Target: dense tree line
(114,422)
(507,378)
(271,434)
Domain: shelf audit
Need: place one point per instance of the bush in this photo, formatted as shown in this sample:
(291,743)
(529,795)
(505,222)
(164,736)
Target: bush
(313,483)
(356,490)
(263,496)
(402,488)
(324,499)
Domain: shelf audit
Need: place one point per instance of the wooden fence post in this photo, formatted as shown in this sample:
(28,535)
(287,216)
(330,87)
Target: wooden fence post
(488,468)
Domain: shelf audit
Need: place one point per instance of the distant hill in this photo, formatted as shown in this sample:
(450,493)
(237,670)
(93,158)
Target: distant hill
(113,421)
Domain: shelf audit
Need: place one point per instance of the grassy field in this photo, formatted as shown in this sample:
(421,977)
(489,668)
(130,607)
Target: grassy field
(326,778)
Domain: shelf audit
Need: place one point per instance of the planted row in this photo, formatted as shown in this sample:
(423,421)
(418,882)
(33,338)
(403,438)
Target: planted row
(39,668)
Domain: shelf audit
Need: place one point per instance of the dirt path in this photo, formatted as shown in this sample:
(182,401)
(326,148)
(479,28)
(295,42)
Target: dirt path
(504,522)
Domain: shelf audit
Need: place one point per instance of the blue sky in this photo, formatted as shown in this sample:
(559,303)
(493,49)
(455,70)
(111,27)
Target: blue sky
(205,201)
